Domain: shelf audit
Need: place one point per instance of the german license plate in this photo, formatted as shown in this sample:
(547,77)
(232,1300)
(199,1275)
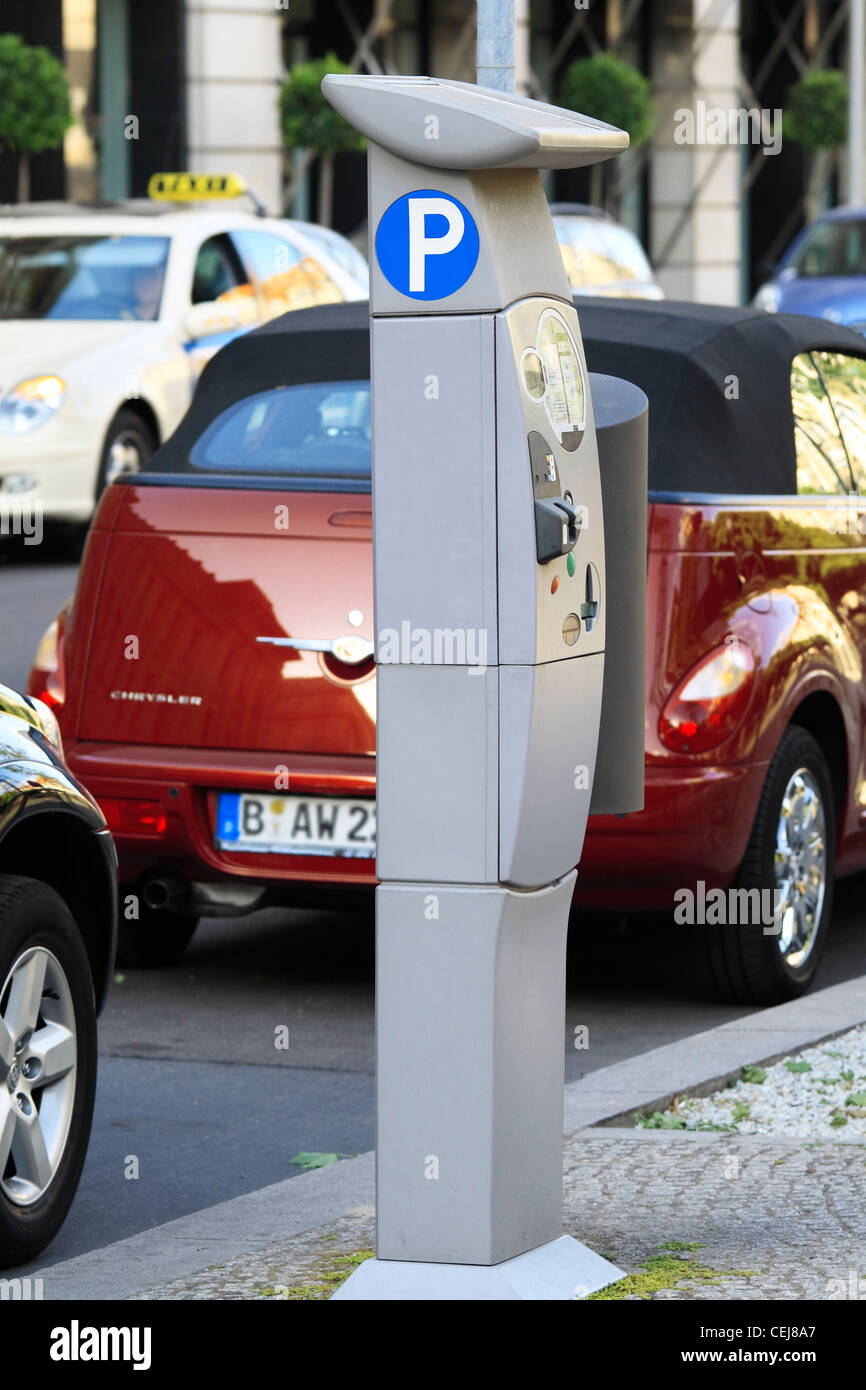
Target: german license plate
(254,822)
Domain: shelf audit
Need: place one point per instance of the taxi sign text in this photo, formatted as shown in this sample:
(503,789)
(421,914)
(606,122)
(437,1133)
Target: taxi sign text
(187,187)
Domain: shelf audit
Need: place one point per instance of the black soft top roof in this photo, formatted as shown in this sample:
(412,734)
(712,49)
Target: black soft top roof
(329,343)
(702,437)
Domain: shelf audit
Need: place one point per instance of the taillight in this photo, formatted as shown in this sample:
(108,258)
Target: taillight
(47,678)
(132,817)
(710,701)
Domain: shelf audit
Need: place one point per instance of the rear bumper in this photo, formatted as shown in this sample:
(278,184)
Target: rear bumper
(695,825)
(186,783)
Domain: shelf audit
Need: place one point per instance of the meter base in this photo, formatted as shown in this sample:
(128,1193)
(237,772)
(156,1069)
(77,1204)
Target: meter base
(470,1058)
(562,1270)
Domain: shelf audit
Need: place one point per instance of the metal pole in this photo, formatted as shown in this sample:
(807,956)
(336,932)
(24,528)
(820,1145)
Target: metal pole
(494,63)
(522,37)
(856,54)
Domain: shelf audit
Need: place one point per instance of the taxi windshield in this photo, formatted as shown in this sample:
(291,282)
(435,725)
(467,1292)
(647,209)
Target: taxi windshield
(319,429)
(82,277)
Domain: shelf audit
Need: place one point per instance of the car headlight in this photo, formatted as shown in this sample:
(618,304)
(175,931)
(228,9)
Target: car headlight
(767,298)
(30,403)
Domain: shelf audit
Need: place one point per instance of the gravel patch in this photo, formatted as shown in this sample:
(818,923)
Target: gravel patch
(819,1092)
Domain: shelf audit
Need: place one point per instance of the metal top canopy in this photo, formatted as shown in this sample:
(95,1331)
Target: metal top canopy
(456,125)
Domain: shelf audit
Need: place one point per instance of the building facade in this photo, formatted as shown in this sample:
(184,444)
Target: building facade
(716,194)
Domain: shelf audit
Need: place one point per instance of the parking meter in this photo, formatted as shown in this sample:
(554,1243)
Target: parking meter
(491,624)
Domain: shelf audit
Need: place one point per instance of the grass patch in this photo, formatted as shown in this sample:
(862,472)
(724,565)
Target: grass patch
(305,1160)
(658,1120)
(755,1075)
(329,1280)
(665,1271)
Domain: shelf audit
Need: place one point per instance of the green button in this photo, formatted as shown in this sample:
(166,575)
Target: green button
(569,564)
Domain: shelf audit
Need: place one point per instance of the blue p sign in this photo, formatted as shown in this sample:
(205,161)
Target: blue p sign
(427,244)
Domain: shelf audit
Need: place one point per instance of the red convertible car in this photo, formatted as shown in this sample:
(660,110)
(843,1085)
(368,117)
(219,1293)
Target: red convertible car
(214,680)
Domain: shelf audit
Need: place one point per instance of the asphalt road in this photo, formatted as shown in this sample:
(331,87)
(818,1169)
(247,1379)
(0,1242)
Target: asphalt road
(191,1083)
(33,589)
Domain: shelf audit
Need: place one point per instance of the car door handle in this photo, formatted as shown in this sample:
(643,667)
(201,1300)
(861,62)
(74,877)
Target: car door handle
(351,649)
(300,644)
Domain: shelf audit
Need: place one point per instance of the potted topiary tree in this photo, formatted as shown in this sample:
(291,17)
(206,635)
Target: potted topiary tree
(34,104)
(310,123)
(816,118)
(610,90)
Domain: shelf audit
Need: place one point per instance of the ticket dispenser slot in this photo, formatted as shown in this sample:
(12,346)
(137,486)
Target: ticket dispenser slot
(490,640)
(556,518)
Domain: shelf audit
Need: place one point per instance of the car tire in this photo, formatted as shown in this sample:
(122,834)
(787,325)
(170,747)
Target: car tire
(129,443)
(793,835)
(156,938)
(46,1023)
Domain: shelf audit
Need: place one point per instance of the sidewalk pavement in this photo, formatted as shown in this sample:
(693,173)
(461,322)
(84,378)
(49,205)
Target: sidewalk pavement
(762,1217)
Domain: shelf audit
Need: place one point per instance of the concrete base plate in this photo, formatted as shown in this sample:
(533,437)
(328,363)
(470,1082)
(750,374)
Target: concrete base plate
(562,1269)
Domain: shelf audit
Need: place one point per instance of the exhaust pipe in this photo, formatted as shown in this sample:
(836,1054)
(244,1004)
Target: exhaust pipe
(166,894)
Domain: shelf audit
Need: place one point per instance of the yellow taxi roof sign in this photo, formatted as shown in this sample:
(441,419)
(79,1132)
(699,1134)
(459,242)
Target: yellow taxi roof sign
(188,188)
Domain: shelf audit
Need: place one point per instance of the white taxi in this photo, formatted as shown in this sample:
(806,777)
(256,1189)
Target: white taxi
(107,317)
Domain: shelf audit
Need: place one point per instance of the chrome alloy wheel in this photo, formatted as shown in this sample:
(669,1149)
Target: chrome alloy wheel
(124,456)
(38,1055)
(800,866)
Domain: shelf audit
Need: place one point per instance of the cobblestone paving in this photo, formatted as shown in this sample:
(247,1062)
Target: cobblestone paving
(792,1212)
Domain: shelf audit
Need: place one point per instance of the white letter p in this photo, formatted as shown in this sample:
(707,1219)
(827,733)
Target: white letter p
(422,246)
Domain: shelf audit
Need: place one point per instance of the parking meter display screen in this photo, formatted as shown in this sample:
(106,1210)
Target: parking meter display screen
(565,397)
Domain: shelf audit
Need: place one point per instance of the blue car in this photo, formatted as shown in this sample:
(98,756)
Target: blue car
(823,272)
